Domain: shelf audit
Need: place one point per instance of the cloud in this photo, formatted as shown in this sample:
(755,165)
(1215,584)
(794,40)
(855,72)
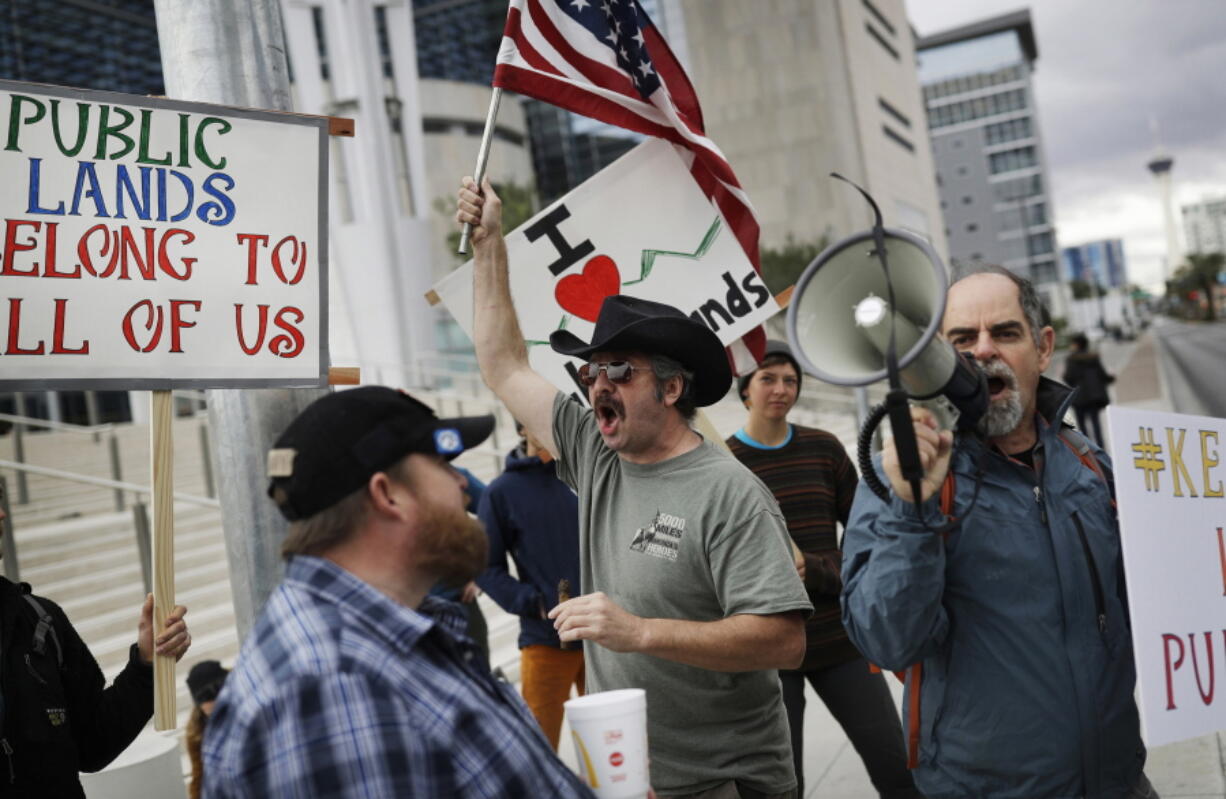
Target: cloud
(1104,69)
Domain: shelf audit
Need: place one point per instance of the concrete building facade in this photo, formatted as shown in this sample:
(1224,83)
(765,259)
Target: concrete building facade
(988,151)
(1204,225)
(792,90)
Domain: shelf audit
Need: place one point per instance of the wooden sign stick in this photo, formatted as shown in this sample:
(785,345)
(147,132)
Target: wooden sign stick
(161,449)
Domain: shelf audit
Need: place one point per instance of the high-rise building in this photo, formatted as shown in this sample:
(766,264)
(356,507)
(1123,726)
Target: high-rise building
(1100,262)
(1204,225)
(794,91)
(988,149)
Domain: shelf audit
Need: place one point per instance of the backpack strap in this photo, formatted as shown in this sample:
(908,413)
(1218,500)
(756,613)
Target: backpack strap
(45,627)
(1080,447)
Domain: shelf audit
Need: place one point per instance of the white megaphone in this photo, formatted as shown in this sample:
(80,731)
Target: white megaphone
(840,318)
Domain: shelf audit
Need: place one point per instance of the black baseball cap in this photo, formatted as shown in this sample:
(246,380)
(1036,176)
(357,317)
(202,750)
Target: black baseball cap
(205,680)
(333,447)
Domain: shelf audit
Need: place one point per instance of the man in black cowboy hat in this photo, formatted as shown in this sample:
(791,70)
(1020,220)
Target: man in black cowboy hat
(695,597)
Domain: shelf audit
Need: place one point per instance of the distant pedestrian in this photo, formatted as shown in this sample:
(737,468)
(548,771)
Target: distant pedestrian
(533,516)
(204,681)
(1084,371)
(814,482)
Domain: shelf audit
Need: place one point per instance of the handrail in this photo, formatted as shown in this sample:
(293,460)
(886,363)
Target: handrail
(31,421)
(102,482)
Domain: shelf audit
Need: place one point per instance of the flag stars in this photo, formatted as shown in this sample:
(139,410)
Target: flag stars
(606,8)
(579,5)
(638,37)
(645,68)
(625,56)
(612,38)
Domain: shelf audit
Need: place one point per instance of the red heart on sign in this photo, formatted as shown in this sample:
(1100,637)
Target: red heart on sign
(583,294)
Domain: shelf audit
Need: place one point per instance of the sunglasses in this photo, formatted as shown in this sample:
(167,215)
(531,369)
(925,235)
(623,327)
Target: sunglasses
(619,372)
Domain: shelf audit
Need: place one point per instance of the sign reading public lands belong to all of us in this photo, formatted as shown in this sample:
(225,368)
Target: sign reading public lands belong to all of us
(153,244)
(1170,482)
(641,227)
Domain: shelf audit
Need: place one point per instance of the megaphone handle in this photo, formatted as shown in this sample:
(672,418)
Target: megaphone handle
(904,436)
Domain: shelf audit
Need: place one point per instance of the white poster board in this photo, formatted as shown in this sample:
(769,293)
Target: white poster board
(1170,486)
(156,244)
(639,227)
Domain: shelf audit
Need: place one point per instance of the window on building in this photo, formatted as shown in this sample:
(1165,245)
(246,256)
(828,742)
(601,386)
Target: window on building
(1011,160)
(879,39)
(899,116)
(1012,130)
(971,227)
(897,139)
(962,169)
(967,199)
(876,14)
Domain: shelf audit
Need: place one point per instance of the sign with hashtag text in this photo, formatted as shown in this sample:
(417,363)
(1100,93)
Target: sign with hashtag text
(1170,485)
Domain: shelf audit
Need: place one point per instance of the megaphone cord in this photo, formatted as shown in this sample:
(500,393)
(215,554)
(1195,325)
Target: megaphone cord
(868,472)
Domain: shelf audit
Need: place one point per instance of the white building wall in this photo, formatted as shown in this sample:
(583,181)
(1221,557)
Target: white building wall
(379,229)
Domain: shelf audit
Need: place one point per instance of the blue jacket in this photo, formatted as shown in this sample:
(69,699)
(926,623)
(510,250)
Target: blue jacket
(1019,618)
(531,514)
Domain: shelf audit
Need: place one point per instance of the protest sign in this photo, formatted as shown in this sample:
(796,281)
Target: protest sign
(156,244)
(639,227)
(1169,482)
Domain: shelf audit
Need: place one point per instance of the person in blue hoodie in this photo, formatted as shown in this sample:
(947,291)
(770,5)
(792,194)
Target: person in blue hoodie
(533,516)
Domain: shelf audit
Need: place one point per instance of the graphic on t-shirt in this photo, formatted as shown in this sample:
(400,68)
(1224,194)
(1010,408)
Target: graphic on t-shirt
(661,538)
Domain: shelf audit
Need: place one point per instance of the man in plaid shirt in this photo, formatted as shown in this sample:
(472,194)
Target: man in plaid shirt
(354,682)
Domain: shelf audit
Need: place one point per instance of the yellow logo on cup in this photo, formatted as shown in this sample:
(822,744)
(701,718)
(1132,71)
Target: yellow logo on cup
(587,761)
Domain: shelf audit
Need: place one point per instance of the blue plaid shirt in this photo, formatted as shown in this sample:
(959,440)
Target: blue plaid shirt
(341,692)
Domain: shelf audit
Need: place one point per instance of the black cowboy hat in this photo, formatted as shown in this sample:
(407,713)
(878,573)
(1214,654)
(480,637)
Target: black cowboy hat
(630,324)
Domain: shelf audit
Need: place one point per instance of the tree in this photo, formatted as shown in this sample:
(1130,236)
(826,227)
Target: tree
(782,267)
(518,206)
(1201,272)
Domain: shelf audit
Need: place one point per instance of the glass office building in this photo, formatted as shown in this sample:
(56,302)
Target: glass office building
(99,44)
(1102,261)
(987,148)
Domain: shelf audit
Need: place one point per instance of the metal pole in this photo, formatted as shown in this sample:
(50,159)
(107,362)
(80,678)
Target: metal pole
(116,469)
(140,524)
(91,411)
(223,51)
(206,462)
(19,449)
(8,545)
(483,156)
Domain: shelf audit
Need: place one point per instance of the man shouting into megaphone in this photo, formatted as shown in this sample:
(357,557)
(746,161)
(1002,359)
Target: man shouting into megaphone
(1012,625)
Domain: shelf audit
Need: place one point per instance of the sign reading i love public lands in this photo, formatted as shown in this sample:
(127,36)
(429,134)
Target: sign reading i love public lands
(1170,483)
(155,244)
(641,227)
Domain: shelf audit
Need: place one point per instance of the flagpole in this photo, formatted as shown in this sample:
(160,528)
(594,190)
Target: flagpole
(483,156)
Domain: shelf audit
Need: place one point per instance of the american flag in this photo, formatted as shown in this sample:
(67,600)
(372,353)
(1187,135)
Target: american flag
(604,59)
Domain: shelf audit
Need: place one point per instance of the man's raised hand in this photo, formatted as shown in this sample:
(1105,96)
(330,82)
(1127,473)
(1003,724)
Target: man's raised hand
(480,208)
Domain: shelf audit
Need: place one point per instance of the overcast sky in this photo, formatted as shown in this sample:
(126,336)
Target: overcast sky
(1104,68)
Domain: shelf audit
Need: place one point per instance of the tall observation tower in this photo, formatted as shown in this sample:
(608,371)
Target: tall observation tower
(1160,165)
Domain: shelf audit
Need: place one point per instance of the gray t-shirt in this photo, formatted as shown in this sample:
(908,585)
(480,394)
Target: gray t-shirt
(695,537)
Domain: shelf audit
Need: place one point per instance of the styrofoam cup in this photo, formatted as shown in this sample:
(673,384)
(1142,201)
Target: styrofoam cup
(610,733)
